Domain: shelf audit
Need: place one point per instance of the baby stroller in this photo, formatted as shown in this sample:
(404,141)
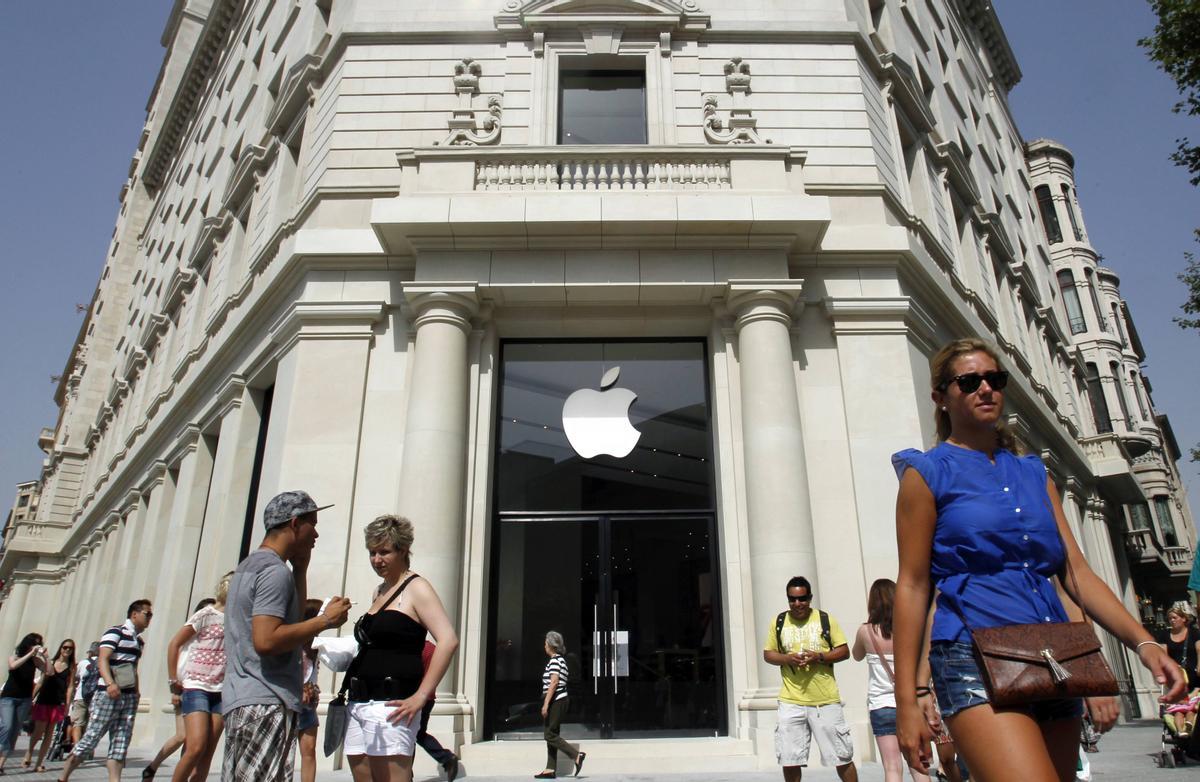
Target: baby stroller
(60,742)
(1179,746)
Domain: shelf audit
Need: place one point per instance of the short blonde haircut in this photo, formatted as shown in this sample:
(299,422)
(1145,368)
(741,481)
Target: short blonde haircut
(389,530)
(223,587)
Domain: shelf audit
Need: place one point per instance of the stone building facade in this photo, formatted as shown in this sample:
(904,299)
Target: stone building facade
(372,250)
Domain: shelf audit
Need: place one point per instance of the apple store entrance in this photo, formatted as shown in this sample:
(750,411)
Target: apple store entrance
(604,531)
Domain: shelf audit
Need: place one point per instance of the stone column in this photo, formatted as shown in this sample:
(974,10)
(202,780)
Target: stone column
(11,612)
(157,495)
(229,489)
(315,427)
(777,502)
(433,467)
(191,460)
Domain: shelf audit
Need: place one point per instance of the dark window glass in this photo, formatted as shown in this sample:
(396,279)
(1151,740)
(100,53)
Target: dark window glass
(1166,523)
(602,107)
(1139,516)
(668,468)
(1066,284)
(1049,218)
(1116,375)
(1069,203)
(1099,404)
(1091,286)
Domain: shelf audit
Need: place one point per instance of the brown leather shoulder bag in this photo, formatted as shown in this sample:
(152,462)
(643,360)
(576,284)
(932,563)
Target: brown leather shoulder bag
(1038,662)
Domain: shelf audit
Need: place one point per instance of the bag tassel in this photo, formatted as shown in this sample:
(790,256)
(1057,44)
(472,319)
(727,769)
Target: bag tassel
(1057,672)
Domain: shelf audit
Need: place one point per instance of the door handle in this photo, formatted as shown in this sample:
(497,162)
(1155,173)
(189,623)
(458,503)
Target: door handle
(595,649)
(612,658)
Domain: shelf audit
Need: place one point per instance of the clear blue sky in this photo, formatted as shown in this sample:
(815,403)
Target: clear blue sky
(79,74)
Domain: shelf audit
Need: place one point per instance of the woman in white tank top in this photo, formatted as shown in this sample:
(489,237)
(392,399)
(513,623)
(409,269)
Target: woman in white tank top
(874,643)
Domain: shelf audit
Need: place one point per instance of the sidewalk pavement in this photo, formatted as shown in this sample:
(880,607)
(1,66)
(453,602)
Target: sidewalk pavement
(1127,754)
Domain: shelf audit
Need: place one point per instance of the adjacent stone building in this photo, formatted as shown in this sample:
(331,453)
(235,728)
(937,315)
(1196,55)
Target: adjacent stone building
(370,249)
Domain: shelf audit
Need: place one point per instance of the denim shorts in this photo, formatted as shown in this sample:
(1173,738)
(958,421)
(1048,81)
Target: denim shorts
(307,719)
(193,701)
(883,721)
(959,685)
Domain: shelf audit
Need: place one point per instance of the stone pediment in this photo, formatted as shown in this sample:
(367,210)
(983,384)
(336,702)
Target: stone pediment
(662,15)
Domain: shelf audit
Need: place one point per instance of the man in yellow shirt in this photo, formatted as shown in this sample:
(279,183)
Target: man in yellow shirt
(805,644)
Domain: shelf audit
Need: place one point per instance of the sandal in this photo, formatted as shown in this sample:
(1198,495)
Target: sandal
(545,775)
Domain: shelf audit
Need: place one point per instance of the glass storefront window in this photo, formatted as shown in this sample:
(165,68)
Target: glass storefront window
(669,468)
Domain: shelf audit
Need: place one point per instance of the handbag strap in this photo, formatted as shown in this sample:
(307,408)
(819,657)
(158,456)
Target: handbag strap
(354,663)
(887,667)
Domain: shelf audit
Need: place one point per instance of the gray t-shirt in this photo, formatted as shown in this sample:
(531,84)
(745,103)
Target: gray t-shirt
(262,585)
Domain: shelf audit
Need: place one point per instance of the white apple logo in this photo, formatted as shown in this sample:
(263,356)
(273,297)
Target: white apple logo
(597,422)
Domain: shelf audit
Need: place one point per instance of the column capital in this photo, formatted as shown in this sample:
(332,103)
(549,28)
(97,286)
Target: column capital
(756,300)
(455,303)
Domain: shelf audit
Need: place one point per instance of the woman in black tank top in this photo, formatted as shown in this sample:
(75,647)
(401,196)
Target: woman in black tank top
(16,699)
(50,702)
(388,685)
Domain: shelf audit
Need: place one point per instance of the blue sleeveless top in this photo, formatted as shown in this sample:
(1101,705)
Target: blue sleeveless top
(996,544)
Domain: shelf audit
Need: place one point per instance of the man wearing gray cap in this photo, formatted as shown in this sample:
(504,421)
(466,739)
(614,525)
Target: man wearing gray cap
(263,638)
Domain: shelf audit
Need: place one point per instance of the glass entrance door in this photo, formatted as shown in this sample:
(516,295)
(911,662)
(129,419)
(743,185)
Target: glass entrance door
(634,597)
(604,531)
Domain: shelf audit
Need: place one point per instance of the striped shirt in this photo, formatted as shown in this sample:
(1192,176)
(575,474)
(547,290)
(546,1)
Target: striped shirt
(125,643)
(556,665)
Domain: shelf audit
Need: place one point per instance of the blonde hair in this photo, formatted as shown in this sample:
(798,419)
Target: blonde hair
(223,587)
(389,530)
(941,372)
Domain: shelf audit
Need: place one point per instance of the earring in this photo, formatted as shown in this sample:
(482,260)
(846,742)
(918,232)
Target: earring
(943,408)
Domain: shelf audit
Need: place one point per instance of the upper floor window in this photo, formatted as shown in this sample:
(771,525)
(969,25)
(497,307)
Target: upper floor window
(1069,204)
(1095,388)
(1090,279)
(1049,217)
(1133,384)
(1066,284)
(1116,319)
(602,105)
(1139,516)
(1116,375)
(1166,523)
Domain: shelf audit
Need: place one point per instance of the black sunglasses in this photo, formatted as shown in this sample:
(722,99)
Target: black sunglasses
(969,383)
(800,598)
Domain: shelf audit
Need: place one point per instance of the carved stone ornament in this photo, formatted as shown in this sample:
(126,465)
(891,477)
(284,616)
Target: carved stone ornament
(742,127)
(464,130)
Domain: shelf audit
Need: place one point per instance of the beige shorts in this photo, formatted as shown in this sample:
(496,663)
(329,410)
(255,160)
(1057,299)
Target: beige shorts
(796,727)
(79,715)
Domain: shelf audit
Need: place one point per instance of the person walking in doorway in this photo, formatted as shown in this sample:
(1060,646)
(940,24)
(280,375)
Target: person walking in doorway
(428,742)
(555,702)
(805,644)
(114,706)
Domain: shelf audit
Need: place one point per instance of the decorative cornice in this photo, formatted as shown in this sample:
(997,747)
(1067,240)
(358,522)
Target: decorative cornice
(252,161)
(906,91)
(880,315)
(327,320)
(175,120)
(299,86)
(540,15)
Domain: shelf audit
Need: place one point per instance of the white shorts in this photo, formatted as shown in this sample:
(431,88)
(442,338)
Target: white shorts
(798,724)
(368,731)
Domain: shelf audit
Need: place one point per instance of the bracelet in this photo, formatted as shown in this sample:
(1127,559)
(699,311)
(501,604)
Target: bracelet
(1138,649)
(922,691)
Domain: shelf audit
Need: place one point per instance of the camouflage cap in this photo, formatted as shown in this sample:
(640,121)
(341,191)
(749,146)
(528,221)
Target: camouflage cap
(286,506)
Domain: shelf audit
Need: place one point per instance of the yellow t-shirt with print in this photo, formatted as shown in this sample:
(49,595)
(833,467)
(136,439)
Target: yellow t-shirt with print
(812,685)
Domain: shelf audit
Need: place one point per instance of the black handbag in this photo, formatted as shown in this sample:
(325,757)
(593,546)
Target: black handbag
(337,718)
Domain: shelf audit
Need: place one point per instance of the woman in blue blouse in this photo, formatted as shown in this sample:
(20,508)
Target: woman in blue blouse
(982,524)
